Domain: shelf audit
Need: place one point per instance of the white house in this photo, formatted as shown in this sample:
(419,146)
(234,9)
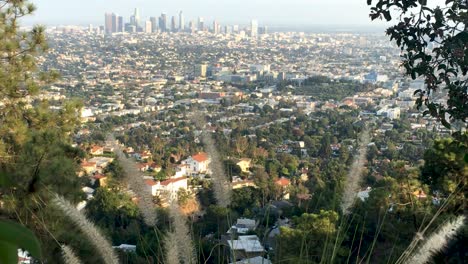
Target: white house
(246,247)
(197,163)
(168,187)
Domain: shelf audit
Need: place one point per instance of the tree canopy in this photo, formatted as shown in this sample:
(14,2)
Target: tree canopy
(434,45)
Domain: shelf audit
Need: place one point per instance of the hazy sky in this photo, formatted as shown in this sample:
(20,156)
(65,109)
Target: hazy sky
(270,12)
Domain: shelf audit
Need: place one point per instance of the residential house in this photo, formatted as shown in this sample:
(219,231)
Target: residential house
(197,163)
(244,164)
(168,188)
(88,167)
(96,150)
(238,182)
(101,162)
(243,226)
(284,183)
(245,247)
(143,155)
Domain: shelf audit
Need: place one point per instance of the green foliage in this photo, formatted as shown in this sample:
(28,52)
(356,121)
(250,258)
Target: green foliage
(35,153)
(307,240)
(323,88)
(444,66)
(14,236)
(445,169)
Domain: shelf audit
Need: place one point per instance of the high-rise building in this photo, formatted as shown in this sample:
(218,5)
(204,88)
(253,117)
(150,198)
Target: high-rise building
(181,21)
(201,70)
(192,27)
(263,30)
(148,27)
(235,28)
(173,24)
(114,22)
(215,27)
(154,24)
(163,22)
(108,23)
(201,24)
(136,15)
(120,24)
(254,28)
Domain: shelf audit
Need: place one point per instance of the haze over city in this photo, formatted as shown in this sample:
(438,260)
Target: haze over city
(278,13)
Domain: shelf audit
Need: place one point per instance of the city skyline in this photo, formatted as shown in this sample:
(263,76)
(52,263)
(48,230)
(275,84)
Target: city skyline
(281,13)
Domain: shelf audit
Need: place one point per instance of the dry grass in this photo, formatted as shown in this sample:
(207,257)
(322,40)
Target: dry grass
(355,173)
(437,241)
(69,256)
(103,247)
(134,179)
(221,185)
(181,233)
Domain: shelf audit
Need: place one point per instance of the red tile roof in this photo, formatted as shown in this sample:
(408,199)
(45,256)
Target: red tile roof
(88,164)
(151,182)
(283,182)
(169,181)
(98,176)
(200,157)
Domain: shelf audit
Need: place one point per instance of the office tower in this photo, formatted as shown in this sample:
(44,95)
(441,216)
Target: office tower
(90,28)
(148,27)
(108,23)
(114,23)
(263,30)
(201,24)
(192,27)
(120,24)
(163,22)
(181,21)
(201,70)
(173,24)
(136,15)
(130,28)
(215,27)
(235,28)
(254,28)
(154,24)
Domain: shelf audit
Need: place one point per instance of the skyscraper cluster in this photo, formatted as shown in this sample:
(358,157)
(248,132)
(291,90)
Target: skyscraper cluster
(115,24)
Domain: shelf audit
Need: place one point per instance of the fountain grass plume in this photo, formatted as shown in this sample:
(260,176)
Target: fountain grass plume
(221,185)
(172,248)
(134,179)
(93,234)
(355,172)
(437,241)
(181,233)
(69,256)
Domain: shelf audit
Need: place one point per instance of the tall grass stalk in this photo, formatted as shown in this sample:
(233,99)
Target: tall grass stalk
(221,185)
(423,229)
(69,256)
(172,248)
(355,172)
(93,234)
(437,241)
(134,179)
(181,233)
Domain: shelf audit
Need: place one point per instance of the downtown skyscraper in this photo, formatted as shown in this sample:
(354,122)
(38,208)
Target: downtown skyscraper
(181,21)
